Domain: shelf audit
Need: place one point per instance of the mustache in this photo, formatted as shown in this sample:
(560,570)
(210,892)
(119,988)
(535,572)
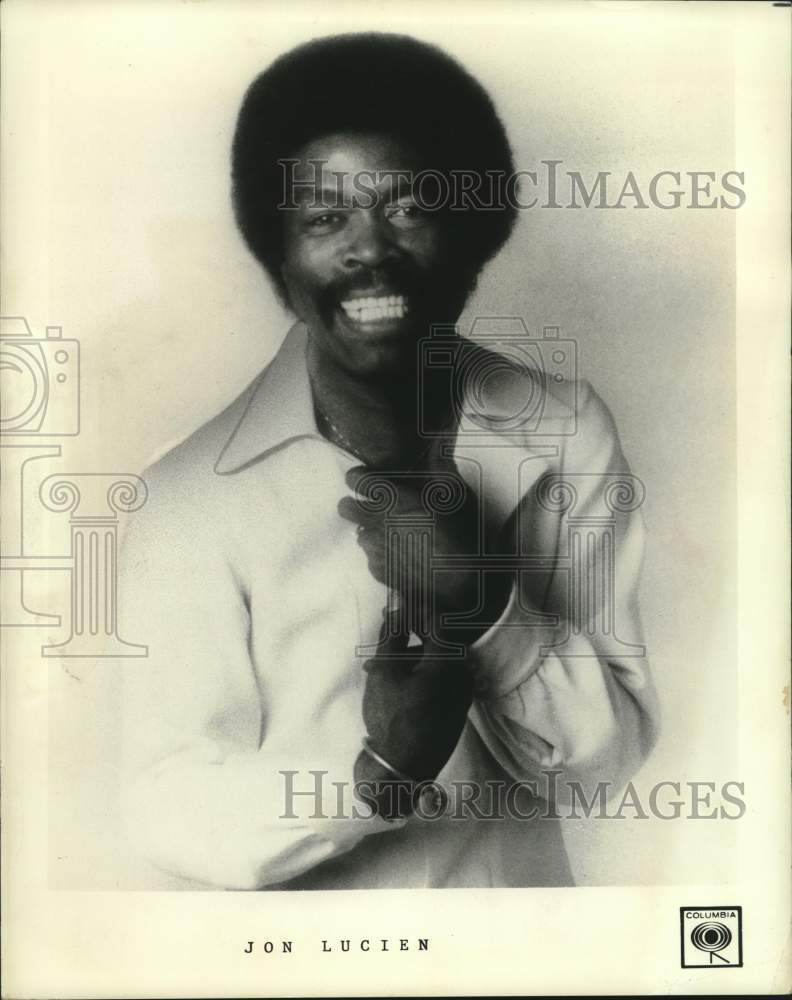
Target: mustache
(398,280)
(424,291)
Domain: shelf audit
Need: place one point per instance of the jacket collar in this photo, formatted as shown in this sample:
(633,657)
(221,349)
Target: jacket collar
(279,407)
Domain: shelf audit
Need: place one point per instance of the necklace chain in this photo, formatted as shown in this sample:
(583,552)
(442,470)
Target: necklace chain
(337,435)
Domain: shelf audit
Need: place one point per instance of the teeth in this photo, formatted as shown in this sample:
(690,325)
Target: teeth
(368,310)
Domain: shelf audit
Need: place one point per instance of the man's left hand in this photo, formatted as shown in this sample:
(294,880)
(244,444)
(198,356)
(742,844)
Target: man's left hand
(443,499)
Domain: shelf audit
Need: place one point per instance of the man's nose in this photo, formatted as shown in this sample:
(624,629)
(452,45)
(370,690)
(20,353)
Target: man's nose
(370,242)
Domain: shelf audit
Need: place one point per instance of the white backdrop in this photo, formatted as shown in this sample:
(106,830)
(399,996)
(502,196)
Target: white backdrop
(120,231)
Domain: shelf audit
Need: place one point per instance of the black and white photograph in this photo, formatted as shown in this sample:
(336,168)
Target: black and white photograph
(395,451)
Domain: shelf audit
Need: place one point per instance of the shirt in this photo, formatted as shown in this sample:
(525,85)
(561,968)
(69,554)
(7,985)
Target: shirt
(255,599)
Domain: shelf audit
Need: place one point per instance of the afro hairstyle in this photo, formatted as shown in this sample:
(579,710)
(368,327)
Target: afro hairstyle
(367,82)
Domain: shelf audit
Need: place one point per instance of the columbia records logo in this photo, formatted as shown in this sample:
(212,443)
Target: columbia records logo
(711,937)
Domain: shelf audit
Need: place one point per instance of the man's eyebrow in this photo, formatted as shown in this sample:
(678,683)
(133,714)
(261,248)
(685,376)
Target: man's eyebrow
(312,195)
(329,194)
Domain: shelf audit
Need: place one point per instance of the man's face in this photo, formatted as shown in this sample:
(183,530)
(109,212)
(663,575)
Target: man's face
(367,270)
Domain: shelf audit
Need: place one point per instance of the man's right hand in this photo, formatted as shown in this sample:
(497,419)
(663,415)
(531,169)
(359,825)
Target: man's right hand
(414,707)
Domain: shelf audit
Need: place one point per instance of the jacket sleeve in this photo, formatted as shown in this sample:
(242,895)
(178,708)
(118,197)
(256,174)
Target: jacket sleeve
(204,794)
(573,692)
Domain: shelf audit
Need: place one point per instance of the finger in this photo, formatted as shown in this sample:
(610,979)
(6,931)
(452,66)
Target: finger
(392,624)
(394,663)
(394,636)
(354,475)
(391,669)
(370,483)
(352,510)
(375,563)
(377,568)
(371,538)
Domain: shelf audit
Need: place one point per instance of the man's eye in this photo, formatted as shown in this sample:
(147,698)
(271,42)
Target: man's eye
(406,215)
(325,221)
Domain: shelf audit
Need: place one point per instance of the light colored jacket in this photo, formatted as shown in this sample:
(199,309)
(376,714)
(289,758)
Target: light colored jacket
(254,598)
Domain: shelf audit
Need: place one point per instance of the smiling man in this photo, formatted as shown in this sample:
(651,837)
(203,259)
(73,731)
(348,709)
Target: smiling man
(367,665)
